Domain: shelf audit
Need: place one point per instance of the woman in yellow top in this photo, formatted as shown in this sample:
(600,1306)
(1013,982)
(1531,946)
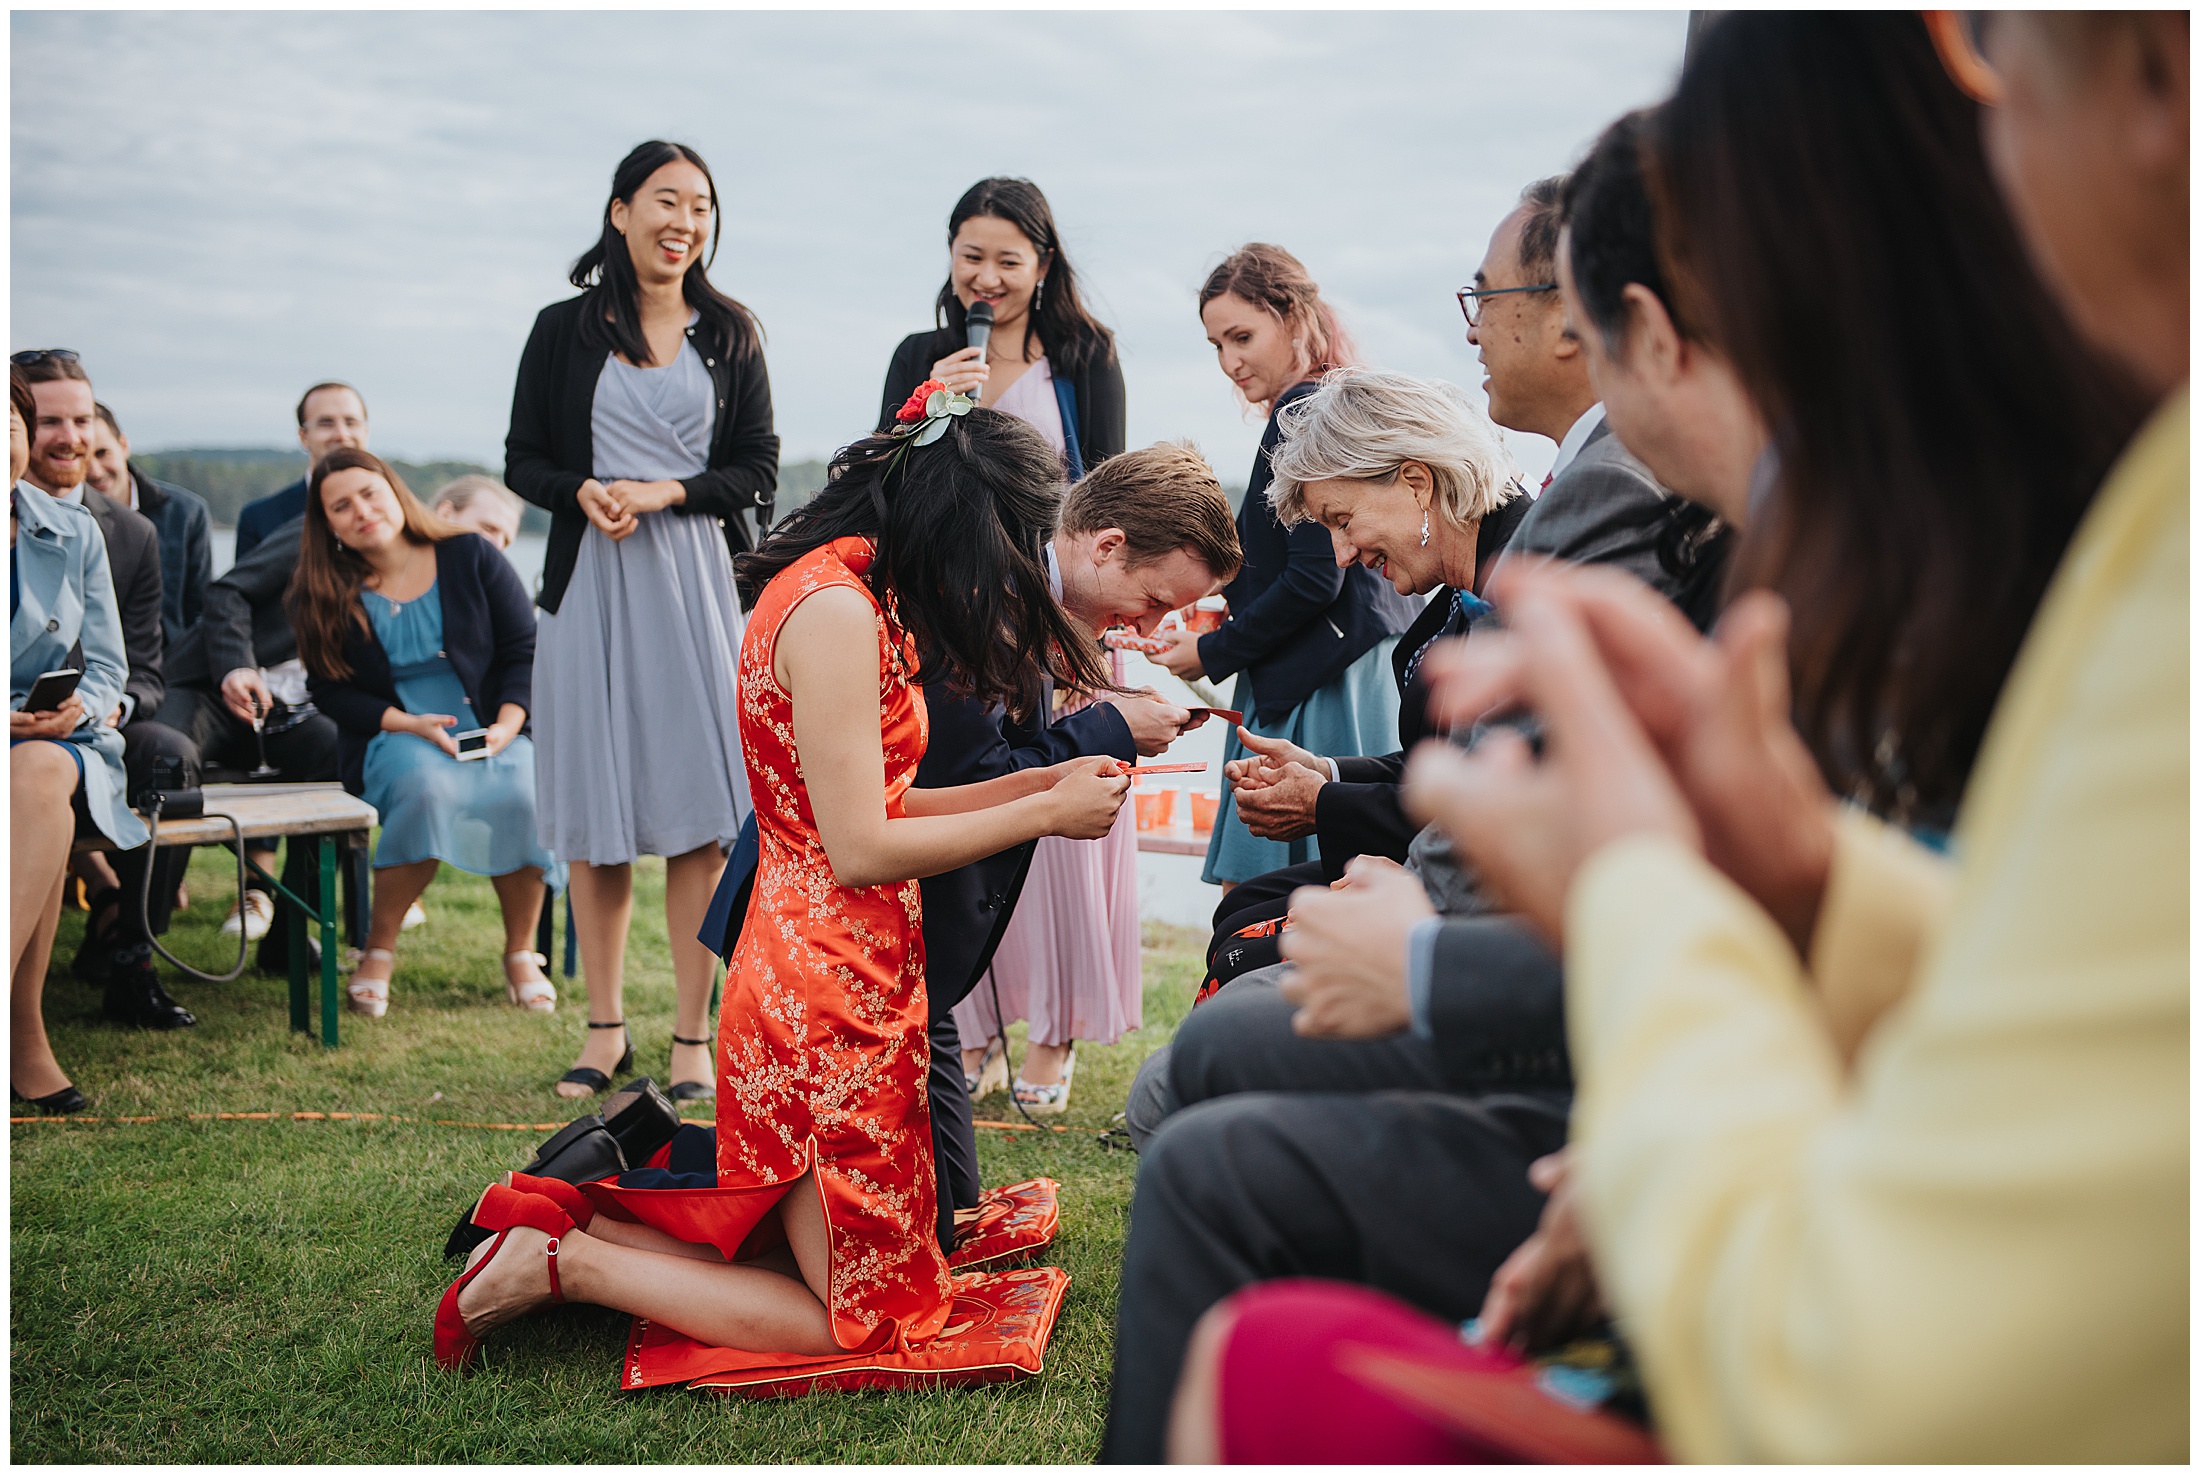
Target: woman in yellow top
(1882,1156)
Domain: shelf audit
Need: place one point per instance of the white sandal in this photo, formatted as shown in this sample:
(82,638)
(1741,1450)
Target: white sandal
(537,995)
(1048,1099)
(371,996)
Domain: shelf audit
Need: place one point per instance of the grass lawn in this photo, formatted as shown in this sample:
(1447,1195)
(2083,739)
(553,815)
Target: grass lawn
(198,1291)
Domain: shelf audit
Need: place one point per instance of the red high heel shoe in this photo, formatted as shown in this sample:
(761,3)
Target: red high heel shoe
(503,1210)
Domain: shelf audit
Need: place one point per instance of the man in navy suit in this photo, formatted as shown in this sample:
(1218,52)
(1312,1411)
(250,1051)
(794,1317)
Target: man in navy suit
(330,414)
(1145,533)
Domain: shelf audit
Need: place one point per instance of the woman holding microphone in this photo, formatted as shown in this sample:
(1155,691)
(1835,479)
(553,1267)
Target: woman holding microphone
(1069,956)
(1049,362)
(643,421)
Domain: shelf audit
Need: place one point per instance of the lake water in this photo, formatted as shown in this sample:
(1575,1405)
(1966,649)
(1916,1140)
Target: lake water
(1169,888)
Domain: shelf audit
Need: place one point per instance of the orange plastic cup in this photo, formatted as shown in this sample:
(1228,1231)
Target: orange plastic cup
(1204,807)
(1156,811)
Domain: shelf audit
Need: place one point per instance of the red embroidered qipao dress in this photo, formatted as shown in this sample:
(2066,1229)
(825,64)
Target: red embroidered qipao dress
(822,1055)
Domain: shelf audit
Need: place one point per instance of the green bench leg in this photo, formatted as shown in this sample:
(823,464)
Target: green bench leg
(297,935)
(332,936)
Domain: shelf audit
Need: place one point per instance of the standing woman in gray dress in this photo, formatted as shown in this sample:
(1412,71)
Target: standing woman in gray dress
(643,422)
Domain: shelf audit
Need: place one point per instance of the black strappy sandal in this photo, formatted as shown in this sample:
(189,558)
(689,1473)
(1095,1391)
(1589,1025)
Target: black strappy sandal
(595,1080)
(692,1090)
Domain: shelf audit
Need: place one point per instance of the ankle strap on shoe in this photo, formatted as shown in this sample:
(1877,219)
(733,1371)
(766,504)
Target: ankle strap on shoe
(578,1206)
(612,1024)
(684,1040)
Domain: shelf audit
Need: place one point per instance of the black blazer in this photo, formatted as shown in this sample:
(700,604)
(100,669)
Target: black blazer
(244,622)
(966,910)
(1098,390)
(488,635)
(1296,619)
(550,449)
(133,553)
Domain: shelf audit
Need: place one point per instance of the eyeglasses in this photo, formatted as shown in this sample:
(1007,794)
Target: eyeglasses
(1470,298)
(31,358)
(1960,38)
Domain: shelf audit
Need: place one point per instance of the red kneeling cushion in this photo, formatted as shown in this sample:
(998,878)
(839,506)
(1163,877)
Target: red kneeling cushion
(997,1332)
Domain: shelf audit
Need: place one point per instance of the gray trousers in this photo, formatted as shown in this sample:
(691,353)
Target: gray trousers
(1418,1193)
(1241,1040)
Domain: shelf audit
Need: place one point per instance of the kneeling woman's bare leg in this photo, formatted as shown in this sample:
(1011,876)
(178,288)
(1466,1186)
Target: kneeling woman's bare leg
(747,1306)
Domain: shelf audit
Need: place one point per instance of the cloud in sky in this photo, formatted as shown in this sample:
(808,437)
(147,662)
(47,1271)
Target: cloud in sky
(218,209)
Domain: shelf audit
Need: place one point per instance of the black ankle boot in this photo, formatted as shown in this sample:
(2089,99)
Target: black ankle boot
(134,994)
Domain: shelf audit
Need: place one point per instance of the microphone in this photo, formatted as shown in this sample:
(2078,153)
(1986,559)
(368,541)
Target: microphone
(978,323)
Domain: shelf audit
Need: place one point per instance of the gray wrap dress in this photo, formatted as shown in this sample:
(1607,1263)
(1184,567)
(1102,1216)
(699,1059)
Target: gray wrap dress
(637,747)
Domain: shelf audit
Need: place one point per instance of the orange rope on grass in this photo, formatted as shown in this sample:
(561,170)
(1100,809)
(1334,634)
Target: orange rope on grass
(311,1116)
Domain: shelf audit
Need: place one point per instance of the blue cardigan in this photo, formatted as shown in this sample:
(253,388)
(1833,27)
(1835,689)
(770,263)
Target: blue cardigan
(1296,619)
(488,637)
(66,615)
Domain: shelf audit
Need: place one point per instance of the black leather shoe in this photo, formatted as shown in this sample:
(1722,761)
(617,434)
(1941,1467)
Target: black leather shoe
(135,997)
(94,961)
(59,1103)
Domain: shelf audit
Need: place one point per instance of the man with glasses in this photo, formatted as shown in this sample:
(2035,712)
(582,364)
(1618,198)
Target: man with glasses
(117,950)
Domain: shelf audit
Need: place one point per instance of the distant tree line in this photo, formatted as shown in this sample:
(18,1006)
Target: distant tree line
(229,478)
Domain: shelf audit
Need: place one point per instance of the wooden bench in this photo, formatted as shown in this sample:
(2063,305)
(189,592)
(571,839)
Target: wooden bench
(320,815)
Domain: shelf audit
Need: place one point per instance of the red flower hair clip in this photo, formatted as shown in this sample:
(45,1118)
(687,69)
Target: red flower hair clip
(913,408)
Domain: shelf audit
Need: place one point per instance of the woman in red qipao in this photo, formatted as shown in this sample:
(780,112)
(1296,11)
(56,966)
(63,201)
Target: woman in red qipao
(920,558)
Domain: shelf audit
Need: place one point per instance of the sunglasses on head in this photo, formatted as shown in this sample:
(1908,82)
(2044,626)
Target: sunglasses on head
(31,358)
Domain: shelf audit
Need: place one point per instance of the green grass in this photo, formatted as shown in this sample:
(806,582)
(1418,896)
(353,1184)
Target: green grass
(201,1291)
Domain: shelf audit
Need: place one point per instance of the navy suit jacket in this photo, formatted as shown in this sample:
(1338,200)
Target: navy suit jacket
(488,636)
(966,910)
(269,513)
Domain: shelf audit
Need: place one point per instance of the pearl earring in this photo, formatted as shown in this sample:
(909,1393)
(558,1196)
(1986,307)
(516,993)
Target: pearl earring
(1424,527)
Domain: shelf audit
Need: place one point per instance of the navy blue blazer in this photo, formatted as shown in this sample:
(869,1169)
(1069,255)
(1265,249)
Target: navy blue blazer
(966,910)
(269,513)
(1296,619)
(488,636)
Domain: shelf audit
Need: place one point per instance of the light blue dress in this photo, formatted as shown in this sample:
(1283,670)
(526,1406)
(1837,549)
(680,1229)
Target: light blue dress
(478,815)
(1357,713)
(636,700)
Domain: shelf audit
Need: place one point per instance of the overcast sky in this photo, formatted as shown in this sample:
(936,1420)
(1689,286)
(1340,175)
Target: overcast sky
(218,209)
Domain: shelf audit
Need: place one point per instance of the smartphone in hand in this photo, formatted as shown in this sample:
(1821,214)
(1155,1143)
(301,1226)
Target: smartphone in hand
(472,745)
(51,689)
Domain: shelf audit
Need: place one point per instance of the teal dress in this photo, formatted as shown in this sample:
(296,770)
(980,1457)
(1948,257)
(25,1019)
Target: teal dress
(479,815)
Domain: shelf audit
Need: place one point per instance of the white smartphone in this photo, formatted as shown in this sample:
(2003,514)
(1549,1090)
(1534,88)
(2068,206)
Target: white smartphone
(472,745)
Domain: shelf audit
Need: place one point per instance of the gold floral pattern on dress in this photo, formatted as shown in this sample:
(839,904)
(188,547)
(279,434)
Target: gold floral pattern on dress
(822,1052)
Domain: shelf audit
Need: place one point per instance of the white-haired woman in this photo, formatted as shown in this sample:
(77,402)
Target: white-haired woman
(1411,480)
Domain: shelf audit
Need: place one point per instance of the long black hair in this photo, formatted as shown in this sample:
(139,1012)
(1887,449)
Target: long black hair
(1830,225)
(1071,337)
(960,525)
(611,314)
